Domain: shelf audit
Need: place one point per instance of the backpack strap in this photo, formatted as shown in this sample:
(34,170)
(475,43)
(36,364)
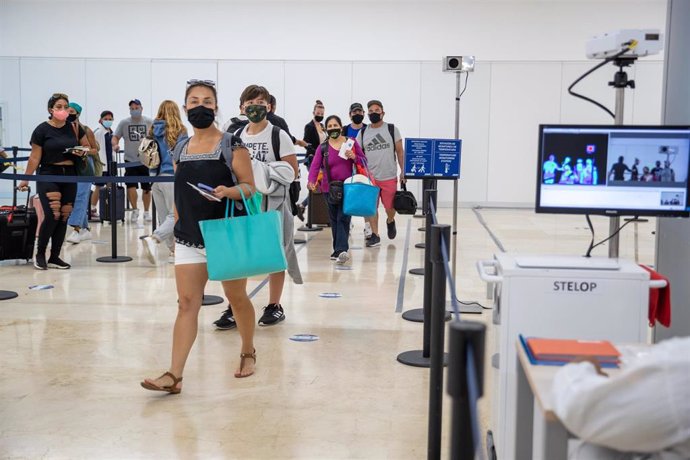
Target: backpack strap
(324,160)
(361,132)
(275,141)
(391,130)
(179,147)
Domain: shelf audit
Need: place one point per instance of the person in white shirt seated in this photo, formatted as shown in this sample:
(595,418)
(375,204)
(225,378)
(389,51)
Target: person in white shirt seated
(643,412)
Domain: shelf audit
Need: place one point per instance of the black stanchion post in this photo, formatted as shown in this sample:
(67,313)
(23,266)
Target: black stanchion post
(437,329)
(112,197)
(15,153)
(418,315)
(153,214)
(461,334)
(429,194)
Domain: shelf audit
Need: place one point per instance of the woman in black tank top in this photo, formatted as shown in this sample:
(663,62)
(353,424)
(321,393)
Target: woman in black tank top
(201,161)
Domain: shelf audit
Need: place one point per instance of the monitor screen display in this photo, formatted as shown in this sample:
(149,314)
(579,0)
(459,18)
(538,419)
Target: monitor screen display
(614,170)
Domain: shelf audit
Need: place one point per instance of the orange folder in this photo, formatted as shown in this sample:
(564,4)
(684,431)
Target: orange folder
(566,350)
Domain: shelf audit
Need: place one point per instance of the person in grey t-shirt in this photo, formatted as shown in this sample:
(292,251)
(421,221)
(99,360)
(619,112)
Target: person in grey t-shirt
(132,130)
(383,147)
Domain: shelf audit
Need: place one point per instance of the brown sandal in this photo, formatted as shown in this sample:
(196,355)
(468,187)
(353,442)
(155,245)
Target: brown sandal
(244,356)
(172,389)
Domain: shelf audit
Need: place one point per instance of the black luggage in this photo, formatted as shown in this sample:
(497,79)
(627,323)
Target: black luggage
(104,204)
(405,202)
(17,230)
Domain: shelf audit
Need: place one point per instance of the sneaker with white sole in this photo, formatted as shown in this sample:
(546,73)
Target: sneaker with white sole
(367,231)
(135,215)
(73,237)
(56,262)
(85,234)
(147,217)
(343,258)
(150,249)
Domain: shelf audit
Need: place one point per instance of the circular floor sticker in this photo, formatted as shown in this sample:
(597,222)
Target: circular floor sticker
(355,248)
(304,338)
(330,295)
(343,267)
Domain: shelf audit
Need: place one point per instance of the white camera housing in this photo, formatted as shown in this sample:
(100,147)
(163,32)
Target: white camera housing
(458,64)
(649,41)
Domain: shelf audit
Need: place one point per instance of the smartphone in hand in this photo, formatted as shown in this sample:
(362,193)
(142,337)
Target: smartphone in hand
(205,187)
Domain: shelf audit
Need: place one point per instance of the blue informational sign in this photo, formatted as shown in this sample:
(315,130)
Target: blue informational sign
(432,158)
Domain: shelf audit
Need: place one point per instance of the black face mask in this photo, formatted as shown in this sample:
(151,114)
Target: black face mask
(357,119)
(318,118)
(374,117)
(71,118)
(201,117)
(256,112)
(334,133)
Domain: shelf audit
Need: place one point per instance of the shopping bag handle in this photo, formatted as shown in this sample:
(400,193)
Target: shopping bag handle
(232,211)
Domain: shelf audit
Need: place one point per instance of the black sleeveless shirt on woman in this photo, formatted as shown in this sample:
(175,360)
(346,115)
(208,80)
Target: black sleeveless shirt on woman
(206,168)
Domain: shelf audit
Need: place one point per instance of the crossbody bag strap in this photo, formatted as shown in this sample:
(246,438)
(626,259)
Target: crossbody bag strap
(324,155)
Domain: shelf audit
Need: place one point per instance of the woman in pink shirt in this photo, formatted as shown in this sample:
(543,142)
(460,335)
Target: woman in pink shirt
(335,171)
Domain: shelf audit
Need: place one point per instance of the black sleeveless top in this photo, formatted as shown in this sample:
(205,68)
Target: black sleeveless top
(206,168)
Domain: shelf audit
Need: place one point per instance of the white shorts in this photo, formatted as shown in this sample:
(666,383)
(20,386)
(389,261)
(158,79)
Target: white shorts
(187,255)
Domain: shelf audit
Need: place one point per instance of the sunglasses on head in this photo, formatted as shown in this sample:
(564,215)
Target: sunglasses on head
(210,83)
(59,96)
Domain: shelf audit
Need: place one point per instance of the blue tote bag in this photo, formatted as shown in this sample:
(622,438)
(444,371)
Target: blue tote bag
(360,197)
(243,246)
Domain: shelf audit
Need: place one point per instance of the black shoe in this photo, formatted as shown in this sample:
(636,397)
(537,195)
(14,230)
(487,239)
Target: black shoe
(56,262)
(334,255)
(392,231)
(40,262)
(273,314)
(300,212)
(374,241)
(226,320)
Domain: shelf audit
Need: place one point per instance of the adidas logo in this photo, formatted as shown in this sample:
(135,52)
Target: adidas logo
(378,143)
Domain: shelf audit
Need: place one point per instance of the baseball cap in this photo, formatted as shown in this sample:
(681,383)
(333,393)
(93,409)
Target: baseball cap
(75,106)
(355,106)
(374,102)
(134,101)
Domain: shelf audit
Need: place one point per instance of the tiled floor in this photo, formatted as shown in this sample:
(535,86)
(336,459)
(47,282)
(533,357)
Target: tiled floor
(73,356)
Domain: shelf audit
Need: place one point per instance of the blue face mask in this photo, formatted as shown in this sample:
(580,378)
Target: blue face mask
(107,123)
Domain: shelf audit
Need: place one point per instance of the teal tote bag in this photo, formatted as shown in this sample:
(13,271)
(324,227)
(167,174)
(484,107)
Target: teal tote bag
(243,246)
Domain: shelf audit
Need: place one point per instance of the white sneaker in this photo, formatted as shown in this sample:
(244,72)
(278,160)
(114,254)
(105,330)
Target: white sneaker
(147,217)
(343,257)
(367,230)
(73,237)
(85,234)
(150,249)
(135,216)
(171,259)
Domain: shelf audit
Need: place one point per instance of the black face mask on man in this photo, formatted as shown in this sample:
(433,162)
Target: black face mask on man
(256,112)
(357,119)
(374,117)
(201,117)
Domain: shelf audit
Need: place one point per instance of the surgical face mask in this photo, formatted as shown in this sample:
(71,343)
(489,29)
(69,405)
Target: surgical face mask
(318,118)
(71,118)
(334,133)
(374,117)
(60,114)
(357,119)
(107,123)
(201,117)
(256,112)
(136,113)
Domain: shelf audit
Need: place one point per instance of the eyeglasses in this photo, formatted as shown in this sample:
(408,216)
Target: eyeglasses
(59,96)
(210,83)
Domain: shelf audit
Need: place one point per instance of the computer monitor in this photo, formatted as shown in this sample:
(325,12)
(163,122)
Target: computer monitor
(614,170)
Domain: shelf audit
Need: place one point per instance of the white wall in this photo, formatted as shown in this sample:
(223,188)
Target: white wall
(528,53)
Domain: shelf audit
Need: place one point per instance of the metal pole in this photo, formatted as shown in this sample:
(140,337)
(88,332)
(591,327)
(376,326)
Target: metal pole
(614,223)
(461,334)
(455,182)
(429,195)
(438,312)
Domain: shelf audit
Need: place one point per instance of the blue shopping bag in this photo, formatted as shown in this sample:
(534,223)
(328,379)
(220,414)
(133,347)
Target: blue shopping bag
(243,246)
(360,197)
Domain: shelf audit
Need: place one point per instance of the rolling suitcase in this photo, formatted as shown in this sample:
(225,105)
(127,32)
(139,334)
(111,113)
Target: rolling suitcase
(317,211)
(104,204)
(17,230)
